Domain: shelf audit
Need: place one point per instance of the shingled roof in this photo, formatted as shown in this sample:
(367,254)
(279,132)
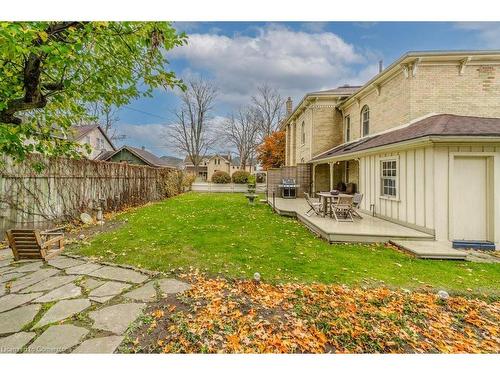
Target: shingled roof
(436,125)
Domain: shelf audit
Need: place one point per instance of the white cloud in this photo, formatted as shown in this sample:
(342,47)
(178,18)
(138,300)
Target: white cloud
(294,62)
(487,32)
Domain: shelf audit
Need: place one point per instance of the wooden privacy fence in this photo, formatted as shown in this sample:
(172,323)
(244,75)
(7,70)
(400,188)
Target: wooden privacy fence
(67,187)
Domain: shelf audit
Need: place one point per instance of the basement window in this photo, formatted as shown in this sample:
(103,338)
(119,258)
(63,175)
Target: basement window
(388,176)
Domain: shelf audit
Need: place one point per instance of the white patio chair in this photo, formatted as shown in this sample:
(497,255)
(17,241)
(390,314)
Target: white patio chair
(314,206)
(356,203)
(342,209)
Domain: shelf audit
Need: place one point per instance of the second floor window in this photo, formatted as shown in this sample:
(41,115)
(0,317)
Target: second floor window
(347,130)
(365,121)
(303,133)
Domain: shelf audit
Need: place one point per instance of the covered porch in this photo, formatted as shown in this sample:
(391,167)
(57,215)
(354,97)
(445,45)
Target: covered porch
(338,175)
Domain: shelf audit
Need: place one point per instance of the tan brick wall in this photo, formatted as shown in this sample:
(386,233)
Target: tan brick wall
(322,177)
(388,109)
(441,89)
(303,149)
(327,128)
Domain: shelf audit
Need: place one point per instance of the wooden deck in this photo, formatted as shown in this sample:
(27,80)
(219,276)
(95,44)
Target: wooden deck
(368,229)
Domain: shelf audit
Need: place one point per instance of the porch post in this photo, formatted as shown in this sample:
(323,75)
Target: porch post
(331,175)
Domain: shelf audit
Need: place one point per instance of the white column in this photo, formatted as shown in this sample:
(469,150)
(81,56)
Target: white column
(331,175)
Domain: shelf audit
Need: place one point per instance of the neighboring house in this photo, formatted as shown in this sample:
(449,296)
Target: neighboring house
(213,163)
(94,136)
(421,140)
(134,155)
(173,161)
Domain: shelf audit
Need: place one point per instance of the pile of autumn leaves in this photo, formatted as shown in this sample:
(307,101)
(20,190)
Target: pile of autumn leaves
(244,317)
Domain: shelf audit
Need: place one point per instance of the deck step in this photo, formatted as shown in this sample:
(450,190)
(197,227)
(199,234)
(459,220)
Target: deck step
(431,249)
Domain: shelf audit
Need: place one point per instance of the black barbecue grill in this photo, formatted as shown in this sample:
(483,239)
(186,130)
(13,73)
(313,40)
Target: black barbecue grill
(288,188)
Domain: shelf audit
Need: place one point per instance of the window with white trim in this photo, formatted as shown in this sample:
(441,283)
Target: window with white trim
(303,133)
(347,128)
(388,176)
(365,121)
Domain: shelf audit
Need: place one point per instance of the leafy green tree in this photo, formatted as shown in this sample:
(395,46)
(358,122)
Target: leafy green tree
(51,71)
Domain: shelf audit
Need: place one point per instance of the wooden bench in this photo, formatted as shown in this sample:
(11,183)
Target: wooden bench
(35,244)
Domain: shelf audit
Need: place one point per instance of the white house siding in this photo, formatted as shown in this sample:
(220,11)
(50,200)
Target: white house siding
(414,205)
(424,187)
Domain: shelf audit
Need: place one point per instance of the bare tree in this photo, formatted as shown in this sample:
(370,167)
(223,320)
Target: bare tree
(241,131)
(191,134)
(107,117)
(268,105)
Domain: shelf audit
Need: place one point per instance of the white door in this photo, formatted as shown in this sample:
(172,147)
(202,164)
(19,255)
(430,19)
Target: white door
(470,198)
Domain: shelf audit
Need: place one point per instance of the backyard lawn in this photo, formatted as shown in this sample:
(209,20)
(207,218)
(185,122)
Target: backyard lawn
(220,234)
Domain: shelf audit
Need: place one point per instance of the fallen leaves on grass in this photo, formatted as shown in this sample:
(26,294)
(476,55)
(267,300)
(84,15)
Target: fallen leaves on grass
(225,316)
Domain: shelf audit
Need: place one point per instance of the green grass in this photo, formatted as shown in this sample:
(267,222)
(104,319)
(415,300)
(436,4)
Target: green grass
(223,234)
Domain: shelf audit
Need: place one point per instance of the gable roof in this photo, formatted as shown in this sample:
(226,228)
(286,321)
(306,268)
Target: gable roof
(340,92)
(76,133)
(172,161)
(436,125)
(146,156)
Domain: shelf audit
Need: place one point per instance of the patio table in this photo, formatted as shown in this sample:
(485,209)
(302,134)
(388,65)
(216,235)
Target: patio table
(327,200)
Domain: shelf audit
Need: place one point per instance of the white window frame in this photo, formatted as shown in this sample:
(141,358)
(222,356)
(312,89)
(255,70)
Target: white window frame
(364,110)
(391,177)
(347,128)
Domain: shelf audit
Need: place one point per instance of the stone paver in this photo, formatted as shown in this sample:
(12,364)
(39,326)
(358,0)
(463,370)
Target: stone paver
(101,345)
(33,278)
(6,254)
(116,318)
(15,320)
(10,276)
(66,291)
(63,310)
(90,284)
(172,286)
(57,339)
(49,284)
(14,343)
(145,293)
(7,269)
(83,269)
(30,267)
(5,262)
(63,262)
(2,290)
(11,301)
(107,291)
(120,274)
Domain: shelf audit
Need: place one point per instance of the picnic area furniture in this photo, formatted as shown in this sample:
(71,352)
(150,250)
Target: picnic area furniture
(328,199)
(314,206)
(35,244)
(356,203)
(342,208)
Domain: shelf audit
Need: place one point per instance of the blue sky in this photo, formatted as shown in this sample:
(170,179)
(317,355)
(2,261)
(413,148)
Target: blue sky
(295,58)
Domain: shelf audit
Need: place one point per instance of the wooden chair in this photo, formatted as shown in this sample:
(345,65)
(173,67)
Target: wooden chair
(356,202)
(342,209)
(35,244)
(314,206)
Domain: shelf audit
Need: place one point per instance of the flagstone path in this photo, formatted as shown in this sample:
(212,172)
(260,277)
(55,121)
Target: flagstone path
(73,305)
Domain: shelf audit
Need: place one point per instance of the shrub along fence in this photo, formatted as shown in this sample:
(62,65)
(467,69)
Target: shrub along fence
(67,187)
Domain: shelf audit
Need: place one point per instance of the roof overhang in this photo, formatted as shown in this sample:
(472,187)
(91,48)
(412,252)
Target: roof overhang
(411,143)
